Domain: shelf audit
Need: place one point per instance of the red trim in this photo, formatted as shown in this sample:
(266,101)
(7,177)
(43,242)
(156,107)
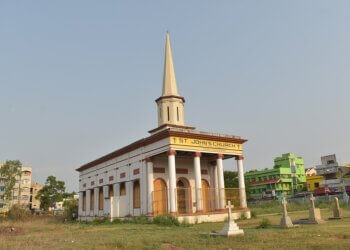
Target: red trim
(239,157)
(172,152)
(197,154)
(148,159)
(265,182)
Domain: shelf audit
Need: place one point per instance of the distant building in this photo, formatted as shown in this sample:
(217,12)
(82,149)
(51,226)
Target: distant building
(310,171)
(21,191)
(286,178)
(334,175)
(34,202)
(313,182)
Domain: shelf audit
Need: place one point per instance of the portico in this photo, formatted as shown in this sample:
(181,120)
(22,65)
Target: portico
(176,170)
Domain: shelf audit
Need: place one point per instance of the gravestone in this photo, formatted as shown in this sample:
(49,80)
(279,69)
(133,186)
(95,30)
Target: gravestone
(336,209)
(314,213)
(230,227)
(286,222)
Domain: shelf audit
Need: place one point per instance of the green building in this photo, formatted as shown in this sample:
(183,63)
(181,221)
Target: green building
(286,178)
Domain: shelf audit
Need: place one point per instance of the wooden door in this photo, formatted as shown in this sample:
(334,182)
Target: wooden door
(160,197)
(205,196)
(181,197)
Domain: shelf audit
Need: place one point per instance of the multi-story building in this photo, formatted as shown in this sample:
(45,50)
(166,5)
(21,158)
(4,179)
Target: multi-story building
(34,202)
(21,190)
(335,176)
(286,178)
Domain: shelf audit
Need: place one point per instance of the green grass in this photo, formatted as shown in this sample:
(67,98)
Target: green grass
(48,234)
(271,207)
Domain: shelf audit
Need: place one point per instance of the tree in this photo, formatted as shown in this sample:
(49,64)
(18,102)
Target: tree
(10,172)
(52,192)
(230,179)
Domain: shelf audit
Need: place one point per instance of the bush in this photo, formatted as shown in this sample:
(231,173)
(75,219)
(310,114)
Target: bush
(17,212)
(166,220)
(253,214)
(265,223)
(70,209)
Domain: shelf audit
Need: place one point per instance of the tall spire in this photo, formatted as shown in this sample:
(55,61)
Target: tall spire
(169,80)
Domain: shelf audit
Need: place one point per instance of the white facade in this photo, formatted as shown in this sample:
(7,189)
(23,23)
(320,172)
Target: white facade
(176,170)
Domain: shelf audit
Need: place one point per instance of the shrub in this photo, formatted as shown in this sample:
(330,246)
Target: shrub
(265,223)
(166,220)
(17,212)
(253,214)
(70,209)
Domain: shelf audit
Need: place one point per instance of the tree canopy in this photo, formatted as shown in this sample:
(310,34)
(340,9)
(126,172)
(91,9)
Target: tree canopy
(52,192)
(231,179)
(9,172)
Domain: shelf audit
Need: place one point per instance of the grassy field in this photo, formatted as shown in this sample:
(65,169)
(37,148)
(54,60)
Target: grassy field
(47,234)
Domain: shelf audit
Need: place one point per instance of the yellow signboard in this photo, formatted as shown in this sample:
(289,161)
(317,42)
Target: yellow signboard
(205,145)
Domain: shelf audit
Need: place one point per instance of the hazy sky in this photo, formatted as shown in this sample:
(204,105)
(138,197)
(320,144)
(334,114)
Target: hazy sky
(78,79)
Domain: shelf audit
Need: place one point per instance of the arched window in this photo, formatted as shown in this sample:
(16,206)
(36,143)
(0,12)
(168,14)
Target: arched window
(92,199)
(100,198)
(136,194)
(84,201)
(111,191)
(177,110)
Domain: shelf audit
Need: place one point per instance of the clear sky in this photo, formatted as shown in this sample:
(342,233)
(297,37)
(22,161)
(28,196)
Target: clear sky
(78,79)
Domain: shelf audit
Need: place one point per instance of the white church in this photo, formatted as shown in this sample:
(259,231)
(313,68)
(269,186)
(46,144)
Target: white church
(176,170)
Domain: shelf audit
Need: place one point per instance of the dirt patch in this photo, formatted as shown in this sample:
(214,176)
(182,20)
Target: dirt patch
(11,231)
(168,246)
(339,237)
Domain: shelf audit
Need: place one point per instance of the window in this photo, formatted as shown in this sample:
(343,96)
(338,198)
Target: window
(111,191)
(136,194)
(84,201)
(177,111)
(122,191)
(100,198)
(92,196)
(317,184)
(168,113)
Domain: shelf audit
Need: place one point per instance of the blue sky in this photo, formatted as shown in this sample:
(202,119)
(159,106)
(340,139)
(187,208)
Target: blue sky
(78,79)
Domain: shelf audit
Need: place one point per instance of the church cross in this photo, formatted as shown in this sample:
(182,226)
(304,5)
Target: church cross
(312,200)
(284,204)
(229,206)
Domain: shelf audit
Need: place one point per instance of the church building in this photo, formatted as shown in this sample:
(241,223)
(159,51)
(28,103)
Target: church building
(176,170)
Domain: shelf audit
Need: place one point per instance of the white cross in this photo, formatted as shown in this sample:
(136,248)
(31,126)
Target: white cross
(229,206)
(312,200)
(284,204)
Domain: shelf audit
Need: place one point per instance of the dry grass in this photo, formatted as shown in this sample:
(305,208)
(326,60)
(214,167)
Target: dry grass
(45,234)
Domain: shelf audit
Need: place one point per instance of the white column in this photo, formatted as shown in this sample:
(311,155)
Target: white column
(241,183)
(115,203)
(80,210)
(172,180)
(150,188)
(221,182)
(96,193)
(130,192)
(87,206)
(216,187)
(198,181)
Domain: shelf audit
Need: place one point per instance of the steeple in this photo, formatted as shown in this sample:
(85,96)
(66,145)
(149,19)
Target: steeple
(170,104)
(169,80)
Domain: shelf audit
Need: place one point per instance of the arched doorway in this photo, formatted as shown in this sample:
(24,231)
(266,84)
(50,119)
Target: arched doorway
(206,195)
(160,197)
(183,194)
